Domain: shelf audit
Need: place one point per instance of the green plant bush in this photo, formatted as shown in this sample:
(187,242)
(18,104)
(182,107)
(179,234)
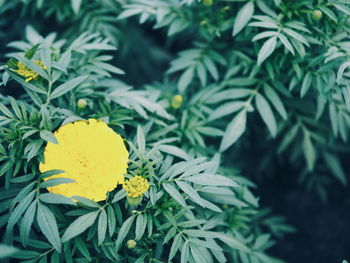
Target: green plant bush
(233,86)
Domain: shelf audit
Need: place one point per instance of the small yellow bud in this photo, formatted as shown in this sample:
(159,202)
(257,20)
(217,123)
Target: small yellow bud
(208,2)
(176,101)
(317,15)
(82,104)
(131,244)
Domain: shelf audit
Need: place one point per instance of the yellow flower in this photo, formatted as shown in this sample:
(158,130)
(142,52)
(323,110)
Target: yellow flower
(176,101)
(28,73)
(136,186)
(90,153)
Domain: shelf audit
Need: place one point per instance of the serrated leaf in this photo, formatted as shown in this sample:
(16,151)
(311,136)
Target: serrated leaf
(276,101)
(48,225)
(86,201)
(111,220)
(189,190)
(124,230)
(234,130)
(56,181)
(211,179)
(174,150)
(7,251)
(185,79)
(243,17)
(335,166)
(267,49)
(20,209)
(306,84)
(309,152)
(67,86)
(79,226)
(48,136)
(102,227)
(174,193)
(55,199)
(141,223)
(266,113)
(27,222)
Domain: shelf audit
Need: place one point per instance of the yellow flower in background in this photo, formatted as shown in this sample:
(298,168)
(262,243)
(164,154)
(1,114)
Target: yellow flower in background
(136,187)
(176,101)
(28,73)
(90,153)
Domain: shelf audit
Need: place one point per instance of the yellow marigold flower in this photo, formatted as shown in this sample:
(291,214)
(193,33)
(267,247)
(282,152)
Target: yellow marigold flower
(28,73)
(136,186)
(90,153)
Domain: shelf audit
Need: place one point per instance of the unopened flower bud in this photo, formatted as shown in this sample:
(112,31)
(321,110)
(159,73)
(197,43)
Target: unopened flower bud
(131,244)
(208,2)
(317,15)
(82,103)
(176,101)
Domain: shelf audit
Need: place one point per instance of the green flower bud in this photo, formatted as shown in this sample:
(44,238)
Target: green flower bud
(82,103)
(317,15)
(176,101)
(131,244)
(134,201)
(208,2)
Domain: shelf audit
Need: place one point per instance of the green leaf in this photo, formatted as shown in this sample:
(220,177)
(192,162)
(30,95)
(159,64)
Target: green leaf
(185,79)
(309,152)
(20,209)
(48,225)
(175,247)
(286,43)
(232,242)
(185,251)
(48,136)
(243,17)
(211,179)
(119,196)
(79,226)
(7,251)
(234,130)
(189,190)
(25,84)
(174,193)
(111,220)
(266,113)
(124,230)
(6,111)
(335,166)
(27,222)
(174,150)
(76,5)
(267,49)
(329,13)
(275,101)
(306,84)
(67,86)
(85,201)
(55,199)
(141,144)
(102,227)
(141,223)
(33,148)
(56,181)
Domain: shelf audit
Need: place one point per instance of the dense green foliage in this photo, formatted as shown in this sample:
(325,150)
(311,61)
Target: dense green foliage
(228,86)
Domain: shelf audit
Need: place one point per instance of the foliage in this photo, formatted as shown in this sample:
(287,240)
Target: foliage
(234,85)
